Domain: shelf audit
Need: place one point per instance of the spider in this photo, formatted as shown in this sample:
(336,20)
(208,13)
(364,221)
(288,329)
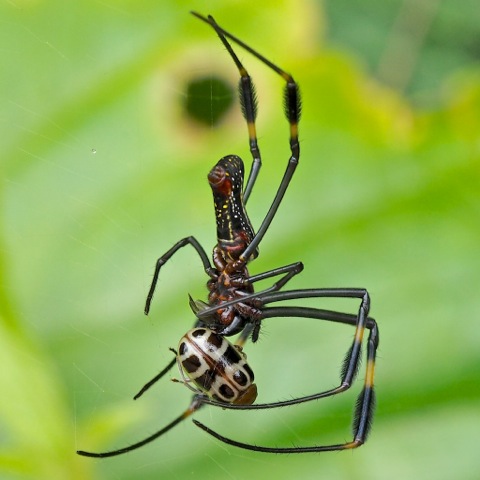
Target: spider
(211,366)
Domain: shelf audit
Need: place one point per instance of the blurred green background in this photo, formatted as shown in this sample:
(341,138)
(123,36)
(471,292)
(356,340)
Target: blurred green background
(103,171)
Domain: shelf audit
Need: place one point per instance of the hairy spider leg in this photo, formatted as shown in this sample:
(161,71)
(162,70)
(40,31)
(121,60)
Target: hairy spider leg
(249,105)
(209,270)
(365,403)
(292,112)
(352,359)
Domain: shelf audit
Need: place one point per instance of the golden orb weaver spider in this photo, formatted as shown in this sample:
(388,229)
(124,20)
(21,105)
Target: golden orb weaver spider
(211,366)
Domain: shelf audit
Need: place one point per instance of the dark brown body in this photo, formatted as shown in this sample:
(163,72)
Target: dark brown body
(234,234)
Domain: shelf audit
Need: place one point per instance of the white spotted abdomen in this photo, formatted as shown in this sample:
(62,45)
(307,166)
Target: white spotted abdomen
(217,367)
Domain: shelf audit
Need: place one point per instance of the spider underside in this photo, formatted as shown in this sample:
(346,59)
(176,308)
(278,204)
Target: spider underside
(214,368)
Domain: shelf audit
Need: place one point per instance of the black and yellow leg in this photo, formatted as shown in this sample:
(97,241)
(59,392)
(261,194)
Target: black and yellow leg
(248,102)
(366,401)
(292,112)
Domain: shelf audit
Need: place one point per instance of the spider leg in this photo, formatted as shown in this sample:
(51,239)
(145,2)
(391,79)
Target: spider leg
(209,270)
(248,102)
(157,377)
(258,448)
(292,112)
(244,335)
(196,403)
(289,270)
(351,362)
(352,359)
(365,402)
(293,269)
(366,399)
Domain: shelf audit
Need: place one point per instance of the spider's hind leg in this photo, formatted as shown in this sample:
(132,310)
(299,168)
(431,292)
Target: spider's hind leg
(364,408)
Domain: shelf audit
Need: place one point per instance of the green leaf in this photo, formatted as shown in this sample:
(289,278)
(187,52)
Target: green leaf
(103,172)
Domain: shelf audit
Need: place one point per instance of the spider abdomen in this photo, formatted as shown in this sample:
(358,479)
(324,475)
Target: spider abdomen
(216,367)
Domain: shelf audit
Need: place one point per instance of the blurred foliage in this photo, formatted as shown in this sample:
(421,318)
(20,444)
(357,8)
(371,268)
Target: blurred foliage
(409,44)
(103,172)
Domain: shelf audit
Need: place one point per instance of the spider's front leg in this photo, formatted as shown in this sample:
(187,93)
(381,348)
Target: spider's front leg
(209,270)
